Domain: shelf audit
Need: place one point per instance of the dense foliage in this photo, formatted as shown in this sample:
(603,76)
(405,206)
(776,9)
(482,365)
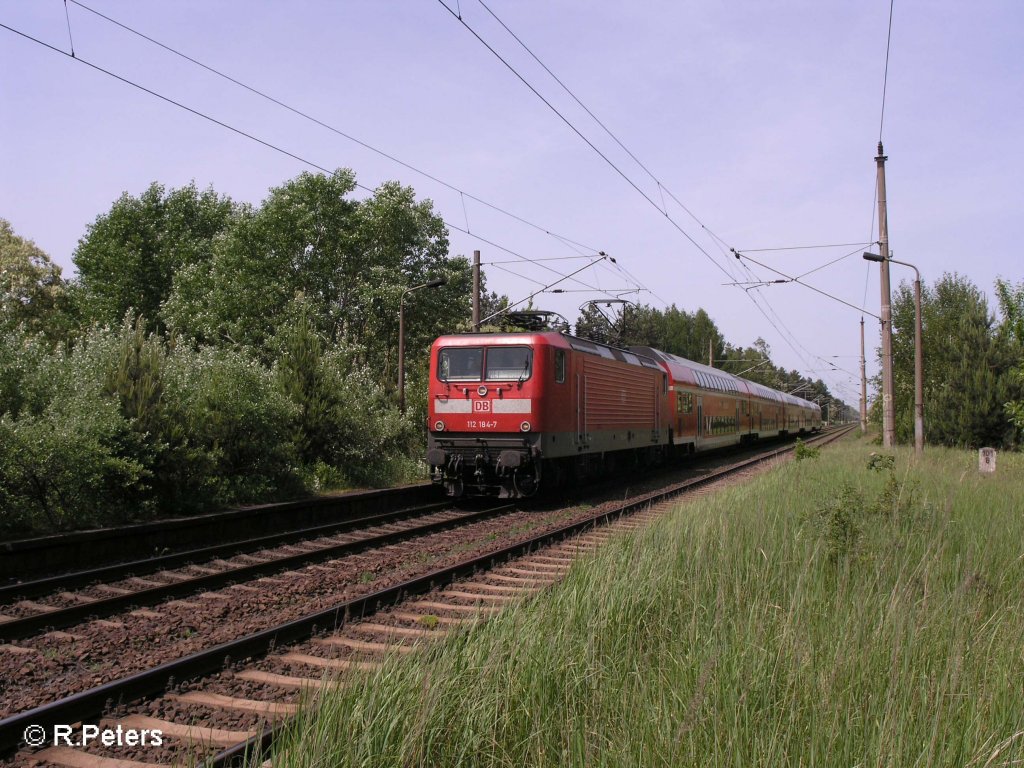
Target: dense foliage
(212,354)
(968,366)
(33,296)
(1011,305)
(130,256)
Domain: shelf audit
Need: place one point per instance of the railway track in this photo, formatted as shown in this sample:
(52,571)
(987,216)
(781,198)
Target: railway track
(205,699)
(43,556)
(190,572)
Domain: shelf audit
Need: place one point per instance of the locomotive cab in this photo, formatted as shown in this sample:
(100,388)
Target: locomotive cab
(485,409)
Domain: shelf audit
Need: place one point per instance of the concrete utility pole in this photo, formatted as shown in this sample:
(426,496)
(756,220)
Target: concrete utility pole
(863,384)
(711,354)
(476,291)
(888,416)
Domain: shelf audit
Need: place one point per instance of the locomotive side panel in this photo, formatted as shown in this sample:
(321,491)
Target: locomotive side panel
(619,396)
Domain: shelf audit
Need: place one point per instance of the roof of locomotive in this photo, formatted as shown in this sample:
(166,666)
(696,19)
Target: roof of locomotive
(550,338)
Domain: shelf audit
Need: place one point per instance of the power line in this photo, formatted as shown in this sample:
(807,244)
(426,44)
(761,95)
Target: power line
(885,77)
(719,242)
(587,141)
(611,291)
(258,140)
(834,261)
(788,336)
(790,278)
(662,188)
(568,90)
(508,271)
(545,288)
(537,261)
(71,39)
(339,132)
(802,247)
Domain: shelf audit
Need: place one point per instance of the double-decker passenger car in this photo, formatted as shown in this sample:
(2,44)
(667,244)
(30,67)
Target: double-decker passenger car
(508,410)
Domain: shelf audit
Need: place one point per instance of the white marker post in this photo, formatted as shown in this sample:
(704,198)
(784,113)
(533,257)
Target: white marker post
(987,461)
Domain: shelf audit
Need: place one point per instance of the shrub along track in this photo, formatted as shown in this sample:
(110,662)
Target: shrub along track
(231,706)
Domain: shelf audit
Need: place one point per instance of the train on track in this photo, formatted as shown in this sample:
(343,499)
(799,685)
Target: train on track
(510,411)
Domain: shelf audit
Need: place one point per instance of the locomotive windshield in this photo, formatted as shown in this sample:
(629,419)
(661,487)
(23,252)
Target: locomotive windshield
(508,363)
(468,364)
(460,364)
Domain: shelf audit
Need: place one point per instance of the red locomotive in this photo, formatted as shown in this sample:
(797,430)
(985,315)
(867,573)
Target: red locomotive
(510,409)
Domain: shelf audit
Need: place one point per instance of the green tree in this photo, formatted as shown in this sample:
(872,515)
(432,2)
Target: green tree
(347,261)
(129,256)
(594,325)
(753,363)
(1011,307)
(672,330)
(33,296)
(966,366)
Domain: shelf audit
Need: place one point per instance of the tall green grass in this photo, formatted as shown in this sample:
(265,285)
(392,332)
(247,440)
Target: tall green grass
(823,614)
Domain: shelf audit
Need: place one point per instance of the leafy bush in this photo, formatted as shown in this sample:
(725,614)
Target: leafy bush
(123,428)
(346,428)
(881,461)
(838,521)
(21,357)
(804,451)
(71,459)
(230,430)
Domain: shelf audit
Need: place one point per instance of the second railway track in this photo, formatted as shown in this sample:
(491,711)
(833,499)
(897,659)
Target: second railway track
(186,573)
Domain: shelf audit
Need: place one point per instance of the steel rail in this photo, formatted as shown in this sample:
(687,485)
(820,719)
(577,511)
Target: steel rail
(65,617)
(49,555)
(78,579)
(152,682)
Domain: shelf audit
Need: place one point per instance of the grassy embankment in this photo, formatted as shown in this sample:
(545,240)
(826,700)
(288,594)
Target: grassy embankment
(822,614)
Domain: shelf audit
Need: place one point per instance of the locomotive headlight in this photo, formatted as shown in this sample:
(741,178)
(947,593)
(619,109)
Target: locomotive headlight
(482,391)
(439,426)
(525,427)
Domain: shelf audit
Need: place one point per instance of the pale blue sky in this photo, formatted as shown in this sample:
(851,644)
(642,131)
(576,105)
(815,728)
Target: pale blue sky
(762,118)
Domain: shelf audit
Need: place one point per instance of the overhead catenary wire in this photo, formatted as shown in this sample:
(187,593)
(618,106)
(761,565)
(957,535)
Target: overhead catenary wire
(834,261)
(71,39)
(537,261)
(786,335)
(662,188)
(722,245)
(467,228)
(258,140)
(803,247)
(885,76)
(580,134)
(790,278)
(542,290)
(366,145)
(568,90)
(881,126)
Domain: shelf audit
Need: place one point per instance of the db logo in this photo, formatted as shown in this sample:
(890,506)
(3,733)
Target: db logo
(481,406)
